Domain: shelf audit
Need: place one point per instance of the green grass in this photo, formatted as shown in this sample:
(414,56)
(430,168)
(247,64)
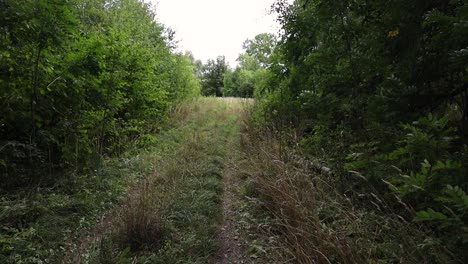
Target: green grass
(185,188)
(39,225)
(182,172)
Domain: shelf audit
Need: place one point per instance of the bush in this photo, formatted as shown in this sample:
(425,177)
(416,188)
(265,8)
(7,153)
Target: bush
(80,82)
(387,115)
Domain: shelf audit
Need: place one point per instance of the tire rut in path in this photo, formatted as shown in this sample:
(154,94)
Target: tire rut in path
(232,244)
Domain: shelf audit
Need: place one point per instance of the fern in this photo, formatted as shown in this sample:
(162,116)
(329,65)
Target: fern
(453,219)
(415,182)
(456,197)
(430,215)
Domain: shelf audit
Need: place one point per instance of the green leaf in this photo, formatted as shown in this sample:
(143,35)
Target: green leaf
(430,215)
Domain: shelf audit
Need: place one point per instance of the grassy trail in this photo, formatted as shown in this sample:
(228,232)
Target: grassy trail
(233,243)
(179,200)
(183,209)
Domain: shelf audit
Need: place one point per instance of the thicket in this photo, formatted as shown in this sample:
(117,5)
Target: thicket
(378,90)
(251,73)
(79,80)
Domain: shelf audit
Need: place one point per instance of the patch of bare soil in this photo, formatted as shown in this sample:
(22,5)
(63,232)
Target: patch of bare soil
(79,250)
(232,242)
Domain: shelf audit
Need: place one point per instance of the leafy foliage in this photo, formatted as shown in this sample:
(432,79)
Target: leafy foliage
(79,80)
(212,76)
(379,90)
(261,48)
(251,74)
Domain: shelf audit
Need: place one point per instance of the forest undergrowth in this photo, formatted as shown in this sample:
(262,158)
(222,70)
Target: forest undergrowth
(307,219)
(164,204)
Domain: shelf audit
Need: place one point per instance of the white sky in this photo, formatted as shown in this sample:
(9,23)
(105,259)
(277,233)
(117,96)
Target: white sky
(209,28)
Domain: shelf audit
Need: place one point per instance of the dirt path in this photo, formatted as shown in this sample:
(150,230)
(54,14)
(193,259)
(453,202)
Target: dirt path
(233,246)
(78,253)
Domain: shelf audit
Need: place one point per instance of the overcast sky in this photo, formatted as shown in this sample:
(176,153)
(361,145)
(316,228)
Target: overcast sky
(210,28)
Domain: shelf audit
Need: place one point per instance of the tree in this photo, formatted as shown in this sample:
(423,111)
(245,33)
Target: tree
(251,74)
(261,48)
(376,85)
(80,80)
(213,76)
(198,64)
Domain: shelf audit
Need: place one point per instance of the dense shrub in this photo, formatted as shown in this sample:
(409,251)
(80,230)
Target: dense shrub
(379,90)
(79,80)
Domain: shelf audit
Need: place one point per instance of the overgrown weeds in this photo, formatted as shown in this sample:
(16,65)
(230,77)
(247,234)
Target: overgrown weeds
(316,222)
(168,197)
(141,224)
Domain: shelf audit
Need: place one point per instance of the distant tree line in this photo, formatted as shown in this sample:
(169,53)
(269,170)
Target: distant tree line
(219,79)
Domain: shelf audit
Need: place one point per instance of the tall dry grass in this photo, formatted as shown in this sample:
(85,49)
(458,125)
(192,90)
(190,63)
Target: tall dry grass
(317,223)
(141,226)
